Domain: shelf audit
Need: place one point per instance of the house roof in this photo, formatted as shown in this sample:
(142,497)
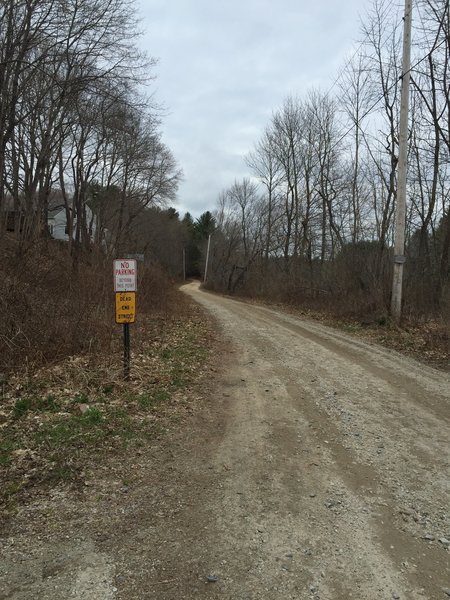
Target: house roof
(53,211)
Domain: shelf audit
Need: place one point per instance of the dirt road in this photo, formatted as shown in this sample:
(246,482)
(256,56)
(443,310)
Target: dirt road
(317,469)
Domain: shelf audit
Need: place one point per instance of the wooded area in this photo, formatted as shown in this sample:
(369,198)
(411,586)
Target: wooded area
(79,134)
(314,221)
(76,129)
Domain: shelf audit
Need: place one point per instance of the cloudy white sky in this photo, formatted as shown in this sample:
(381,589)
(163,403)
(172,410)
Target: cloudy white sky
(224,66)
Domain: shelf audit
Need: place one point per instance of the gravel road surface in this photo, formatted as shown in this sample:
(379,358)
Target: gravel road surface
(317,468)
(336,455)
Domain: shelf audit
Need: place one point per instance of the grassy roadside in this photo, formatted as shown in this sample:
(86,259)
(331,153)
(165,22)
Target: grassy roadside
(58,420)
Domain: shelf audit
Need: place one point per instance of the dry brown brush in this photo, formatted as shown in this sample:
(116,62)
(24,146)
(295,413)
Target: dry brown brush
(51,310)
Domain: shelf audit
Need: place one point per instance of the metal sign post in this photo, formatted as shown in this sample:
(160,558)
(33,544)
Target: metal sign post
(126,351)
(125,284)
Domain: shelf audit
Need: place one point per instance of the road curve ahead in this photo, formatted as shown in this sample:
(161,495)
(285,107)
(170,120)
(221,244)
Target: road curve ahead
(333,466)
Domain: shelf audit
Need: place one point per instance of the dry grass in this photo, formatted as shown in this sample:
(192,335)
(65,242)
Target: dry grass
(64,400)
(58,419)
(52,309)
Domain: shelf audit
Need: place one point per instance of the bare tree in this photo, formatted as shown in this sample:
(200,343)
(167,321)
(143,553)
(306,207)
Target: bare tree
(55,56)
(355,99)
(382,33)
(264,164)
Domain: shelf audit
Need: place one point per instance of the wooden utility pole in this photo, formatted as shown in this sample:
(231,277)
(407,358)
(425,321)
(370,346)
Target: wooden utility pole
(207,259)
(400,212)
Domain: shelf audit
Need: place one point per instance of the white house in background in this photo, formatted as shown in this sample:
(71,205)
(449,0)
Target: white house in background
(57,223)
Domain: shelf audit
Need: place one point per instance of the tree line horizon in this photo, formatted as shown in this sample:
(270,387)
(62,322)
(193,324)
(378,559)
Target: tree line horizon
(313,221)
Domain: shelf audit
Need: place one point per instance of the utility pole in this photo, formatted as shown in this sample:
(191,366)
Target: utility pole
(207,259)
(400,212)
(184,264)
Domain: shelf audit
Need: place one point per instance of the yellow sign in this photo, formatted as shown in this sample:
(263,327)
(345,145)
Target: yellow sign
(125,307)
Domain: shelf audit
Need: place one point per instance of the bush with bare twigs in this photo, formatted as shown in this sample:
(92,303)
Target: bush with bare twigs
(51,310)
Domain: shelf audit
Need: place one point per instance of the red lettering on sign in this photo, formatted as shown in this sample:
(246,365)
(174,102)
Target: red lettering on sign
(124,271)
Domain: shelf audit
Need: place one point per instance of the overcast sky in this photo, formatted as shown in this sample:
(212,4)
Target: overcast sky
(224,66)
